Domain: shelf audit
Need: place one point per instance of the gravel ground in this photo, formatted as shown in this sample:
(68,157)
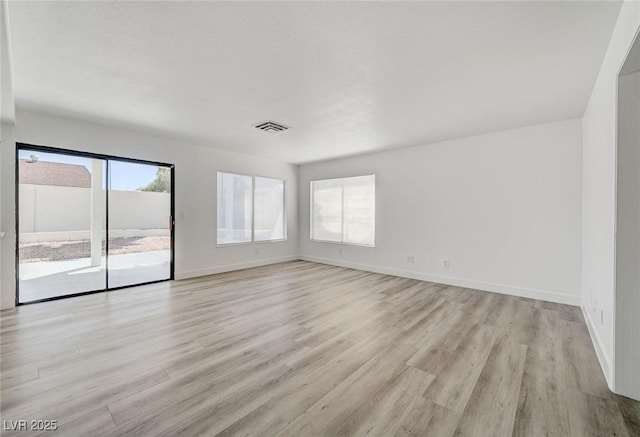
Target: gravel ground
(63,250)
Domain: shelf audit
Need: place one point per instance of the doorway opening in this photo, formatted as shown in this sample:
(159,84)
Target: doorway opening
(89,223)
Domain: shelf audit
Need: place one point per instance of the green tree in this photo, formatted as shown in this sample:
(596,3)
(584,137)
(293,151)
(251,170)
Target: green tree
(162,182)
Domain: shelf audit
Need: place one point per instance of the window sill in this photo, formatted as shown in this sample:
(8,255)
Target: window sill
(343,244)
(248,243)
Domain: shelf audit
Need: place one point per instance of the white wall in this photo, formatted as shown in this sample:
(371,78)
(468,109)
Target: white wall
(7,217)
(7,220)
(195,174)
(503,208)
(598,196)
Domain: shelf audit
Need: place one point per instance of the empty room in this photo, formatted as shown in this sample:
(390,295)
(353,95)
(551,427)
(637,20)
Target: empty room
(310,218)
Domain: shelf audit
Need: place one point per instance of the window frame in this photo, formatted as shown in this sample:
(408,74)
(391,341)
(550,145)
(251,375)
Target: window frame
(253,203)
(344,243)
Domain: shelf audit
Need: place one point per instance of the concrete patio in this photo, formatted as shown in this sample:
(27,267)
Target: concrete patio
(42,280)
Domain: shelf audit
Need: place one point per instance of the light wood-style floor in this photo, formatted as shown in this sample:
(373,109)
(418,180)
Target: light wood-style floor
(304,349)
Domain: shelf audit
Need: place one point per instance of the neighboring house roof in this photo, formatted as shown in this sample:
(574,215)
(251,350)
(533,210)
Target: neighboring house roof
(54,173)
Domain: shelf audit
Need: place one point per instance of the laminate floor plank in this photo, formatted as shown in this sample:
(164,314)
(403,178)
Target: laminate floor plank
(91,424)
(457,372)
(440,344)
(542,407)
(331,414)
(582,371)
(301,348)
(426,418)
(593,416)
(493,403)
(314,381)
(387,409)
(70,403)
(630,410)
(18,375)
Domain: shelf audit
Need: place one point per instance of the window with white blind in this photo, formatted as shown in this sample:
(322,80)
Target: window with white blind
(343,210)
(250,208)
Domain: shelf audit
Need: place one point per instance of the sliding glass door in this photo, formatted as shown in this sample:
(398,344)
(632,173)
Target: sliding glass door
(62,217)
(139,223)
(90,223)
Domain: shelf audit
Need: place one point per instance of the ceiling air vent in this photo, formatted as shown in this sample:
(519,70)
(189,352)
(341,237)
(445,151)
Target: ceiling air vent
(271,127)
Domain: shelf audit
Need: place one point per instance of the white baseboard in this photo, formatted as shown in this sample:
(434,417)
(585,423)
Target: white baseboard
(549,296)
(603,357)
(231,267)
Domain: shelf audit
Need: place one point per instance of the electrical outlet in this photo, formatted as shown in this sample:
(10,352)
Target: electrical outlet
(445,263)
(340,251)
(411,259)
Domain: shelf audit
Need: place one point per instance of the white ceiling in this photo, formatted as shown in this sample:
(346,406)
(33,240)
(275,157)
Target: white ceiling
(347,77)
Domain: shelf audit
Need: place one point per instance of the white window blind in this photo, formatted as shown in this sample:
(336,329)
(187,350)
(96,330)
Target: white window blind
(250,208)
(343,210)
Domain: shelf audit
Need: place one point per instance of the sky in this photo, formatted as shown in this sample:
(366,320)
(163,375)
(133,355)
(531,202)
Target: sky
(124,175)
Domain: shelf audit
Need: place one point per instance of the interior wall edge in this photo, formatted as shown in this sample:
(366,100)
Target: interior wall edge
(549,296)
(599,145)
(598,345)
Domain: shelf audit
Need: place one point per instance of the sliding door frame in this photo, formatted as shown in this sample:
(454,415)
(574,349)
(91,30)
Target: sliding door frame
(106,158)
